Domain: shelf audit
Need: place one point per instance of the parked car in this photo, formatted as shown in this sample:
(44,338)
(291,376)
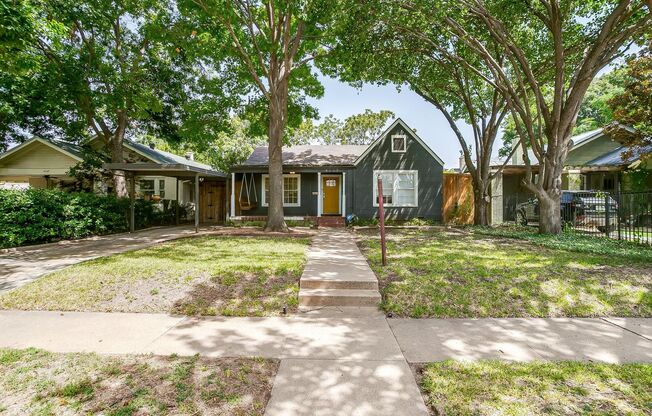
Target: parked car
(578,208)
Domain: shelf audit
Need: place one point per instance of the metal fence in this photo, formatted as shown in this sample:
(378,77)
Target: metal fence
(618,215)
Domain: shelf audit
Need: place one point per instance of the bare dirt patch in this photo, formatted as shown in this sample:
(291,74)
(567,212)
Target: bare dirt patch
(38,382)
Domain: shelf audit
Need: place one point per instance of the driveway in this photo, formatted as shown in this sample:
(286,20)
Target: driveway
(24,264)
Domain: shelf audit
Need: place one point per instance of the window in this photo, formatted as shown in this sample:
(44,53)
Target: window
(400,187)
(161,188)
(399,144)
(608,183)
(291,190)
(146,187)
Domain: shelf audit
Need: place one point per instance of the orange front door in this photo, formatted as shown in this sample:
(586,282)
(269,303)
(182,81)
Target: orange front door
(331,189)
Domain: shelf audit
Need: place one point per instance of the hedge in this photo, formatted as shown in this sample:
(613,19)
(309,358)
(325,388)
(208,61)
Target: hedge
(39,215)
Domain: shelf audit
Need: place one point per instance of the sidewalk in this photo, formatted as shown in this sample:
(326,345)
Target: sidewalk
(332,338)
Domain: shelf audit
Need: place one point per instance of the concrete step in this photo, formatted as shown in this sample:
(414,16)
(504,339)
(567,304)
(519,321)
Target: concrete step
(325,283)
(338,297)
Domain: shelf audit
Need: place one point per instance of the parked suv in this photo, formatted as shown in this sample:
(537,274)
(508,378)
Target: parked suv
(579,208)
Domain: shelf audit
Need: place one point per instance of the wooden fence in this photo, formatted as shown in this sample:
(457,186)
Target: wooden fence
(458,198)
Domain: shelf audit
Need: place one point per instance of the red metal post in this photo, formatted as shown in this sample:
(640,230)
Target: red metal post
(381,214)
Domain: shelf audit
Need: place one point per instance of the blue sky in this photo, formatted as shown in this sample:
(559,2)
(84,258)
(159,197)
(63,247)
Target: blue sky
(342,100)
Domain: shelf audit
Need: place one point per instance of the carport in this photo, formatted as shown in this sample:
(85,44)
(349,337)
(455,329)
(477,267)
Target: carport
(179,171)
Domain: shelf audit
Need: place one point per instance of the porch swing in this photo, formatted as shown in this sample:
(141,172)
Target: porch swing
(248,187)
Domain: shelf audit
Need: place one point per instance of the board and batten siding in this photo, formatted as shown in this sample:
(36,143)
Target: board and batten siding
(381,157)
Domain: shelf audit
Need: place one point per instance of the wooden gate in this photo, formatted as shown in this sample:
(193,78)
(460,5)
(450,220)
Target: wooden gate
(212,202)
(458,198)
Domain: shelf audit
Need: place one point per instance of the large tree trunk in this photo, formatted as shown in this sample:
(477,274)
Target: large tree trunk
(277,122)
(117,156)
(549,212)
(480,207)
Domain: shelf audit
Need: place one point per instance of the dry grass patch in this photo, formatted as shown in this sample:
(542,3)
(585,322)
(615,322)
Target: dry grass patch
(38,382)
(224,275)
(557,388)
(440,273)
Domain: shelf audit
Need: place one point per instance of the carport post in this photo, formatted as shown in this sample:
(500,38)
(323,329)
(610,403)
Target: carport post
(132,204)
(176,209)
(196,202)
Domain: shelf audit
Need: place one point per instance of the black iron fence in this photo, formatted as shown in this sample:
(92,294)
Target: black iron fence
(618,215)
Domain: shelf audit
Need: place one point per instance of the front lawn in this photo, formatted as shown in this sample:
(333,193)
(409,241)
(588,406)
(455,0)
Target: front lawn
(449,273)
(558,388)
(42,383)
(236,276)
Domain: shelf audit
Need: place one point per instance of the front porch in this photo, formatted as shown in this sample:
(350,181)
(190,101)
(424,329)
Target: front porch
(306,195)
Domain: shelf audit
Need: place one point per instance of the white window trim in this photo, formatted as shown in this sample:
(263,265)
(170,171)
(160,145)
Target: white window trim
(399,136)
(285,175)
(395,172)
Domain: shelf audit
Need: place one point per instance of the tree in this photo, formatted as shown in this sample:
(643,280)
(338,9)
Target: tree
(356,129)
(224,149)
(100,68)
(632,108)
(595,112)
(543,56)
(273,43)
(392,33)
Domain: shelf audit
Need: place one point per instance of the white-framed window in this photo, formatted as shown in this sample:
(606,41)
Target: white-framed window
(291,190)
(400,188)
(399,143)
(146,187)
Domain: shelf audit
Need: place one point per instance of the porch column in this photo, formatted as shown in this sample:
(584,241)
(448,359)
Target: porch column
(319,198)
(232,209)
(196,202)
(574,180)
(344,194)
(176,209)
(132,204)
(497,200)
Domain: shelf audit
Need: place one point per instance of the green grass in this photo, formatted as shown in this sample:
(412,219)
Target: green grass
(556,388)
(237,276)
(440,273)
(630,251)
(42,383)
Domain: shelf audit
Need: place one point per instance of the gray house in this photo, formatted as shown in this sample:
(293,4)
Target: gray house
(332,181)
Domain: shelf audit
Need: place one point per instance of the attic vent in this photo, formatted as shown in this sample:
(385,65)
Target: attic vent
(190,156)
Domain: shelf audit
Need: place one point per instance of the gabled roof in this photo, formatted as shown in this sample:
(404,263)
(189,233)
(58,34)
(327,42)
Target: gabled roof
(310,155)
(586,137)
(68,149)
(397,122)
(328,155)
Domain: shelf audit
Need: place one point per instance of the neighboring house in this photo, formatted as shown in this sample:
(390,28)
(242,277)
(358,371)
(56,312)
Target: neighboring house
(38,163)
(337,180)
(42,163)
(594,163)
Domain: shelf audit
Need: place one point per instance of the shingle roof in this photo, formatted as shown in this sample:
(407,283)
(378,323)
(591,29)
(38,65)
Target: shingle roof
(310,155)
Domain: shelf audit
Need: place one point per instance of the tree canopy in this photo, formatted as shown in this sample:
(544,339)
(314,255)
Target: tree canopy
(632,107)
(360,128)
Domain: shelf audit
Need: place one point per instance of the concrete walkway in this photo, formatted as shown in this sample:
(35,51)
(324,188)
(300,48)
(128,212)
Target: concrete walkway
(335,365)
(336,274)
(24,264)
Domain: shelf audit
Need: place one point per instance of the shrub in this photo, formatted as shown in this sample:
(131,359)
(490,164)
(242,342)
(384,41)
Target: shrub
(39,215)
